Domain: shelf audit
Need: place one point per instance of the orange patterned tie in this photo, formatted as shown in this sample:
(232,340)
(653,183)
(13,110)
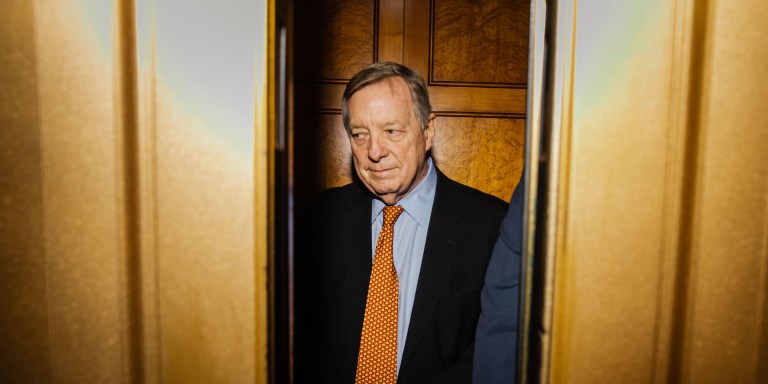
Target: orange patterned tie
(377,359)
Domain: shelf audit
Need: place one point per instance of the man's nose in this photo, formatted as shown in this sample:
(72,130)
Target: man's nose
(377,148)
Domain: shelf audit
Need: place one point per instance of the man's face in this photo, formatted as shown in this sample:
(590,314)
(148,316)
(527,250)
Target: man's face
(387,143)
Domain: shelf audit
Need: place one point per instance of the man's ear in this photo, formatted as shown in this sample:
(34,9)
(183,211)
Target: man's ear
(429,131)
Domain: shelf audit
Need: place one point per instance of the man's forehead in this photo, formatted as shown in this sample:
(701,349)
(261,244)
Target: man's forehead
(395,84)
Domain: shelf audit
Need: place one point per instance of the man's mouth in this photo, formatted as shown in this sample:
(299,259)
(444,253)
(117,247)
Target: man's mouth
(380,172)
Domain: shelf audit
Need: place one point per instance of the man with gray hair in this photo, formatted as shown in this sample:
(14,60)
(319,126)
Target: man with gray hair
(388,287)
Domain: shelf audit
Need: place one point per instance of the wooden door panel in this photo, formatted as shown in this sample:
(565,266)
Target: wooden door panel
(416,36)
(479,42)
(474,57)
(481,101)
(481,152)
(335,38)
(319,96)
(477,100)
(327,156)
(390,31)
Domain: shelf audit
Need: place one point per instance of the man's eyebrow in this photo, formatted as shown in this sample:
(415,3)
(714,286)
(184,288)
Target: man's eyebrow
(386,125)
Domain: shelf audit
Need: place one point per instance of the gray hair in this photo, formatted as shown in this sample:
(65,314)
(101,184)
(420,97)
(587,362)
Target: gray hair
(381,71)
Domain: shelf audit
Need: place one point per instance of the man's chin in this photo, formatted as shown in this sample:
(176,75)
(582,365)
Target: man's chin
(386,195)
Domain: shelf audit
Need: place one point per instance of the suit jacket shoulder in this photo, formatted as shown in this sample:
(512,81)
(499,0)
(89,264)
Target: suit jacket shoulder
(474,201)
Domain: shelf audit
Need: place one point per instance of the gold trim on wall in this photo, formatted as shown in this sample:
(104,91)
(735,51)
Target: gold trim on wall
(264,174)
(535,92)
(558,125)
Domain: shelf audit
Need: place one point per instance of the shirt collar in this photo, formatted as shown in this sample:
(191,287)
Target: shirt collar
(418,203)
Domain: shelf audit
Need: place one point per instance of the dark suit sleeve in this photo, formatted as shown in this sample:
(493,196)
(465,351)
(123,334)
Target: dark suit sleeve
(495,357)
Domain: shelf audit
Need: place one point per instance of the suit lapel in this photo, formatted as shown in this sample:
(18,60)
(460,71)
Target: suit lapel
(442,246)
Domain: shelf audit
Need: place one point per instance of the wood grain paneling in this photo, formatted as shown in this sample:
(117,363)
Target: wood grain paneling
(484,153)
(481,42)
(478,100)
(335,39)
(317,96)
(416,36)
(390,31)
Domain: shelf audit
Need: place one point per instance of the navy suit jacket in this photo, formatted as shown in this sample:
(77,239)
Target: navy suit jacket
(332,284)
(497,329)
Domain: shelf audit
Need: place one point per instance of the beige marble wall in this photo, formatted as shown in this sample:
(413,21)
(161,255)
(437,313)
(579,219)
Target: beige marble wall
(659,240)
(132,231)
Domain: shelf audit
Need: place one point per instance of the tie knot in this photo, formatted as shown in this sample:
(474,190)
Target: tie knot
(391,213)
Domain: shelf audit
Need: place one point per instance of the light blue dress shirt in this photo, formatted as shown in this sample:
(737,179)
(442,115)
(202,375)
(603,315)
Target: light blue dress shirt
(408,245)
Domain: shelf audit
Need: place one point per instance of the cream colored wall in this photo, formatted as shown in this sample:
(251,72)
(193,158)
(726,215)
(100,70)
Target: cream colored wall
(659,236)
(63,311)
(113,275)
(728,291)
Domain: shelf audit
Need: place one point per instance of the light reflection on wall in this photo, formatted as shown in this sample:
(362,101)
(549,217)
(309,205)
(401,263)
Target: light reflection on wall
(206,59)
(198,60)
